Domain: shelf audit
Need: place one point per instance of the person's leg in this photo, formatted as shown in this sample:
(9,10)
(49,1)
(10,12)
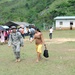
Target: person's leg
(18,52)
(38,57)
(30,37)
(15,53)
(18,56)
(14,50)
(50,35)
(39,51)
(6,39)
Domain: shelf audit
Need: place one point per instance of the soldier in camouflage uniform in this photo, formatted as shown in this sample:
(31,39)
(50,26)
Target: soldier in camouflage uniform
(16,40)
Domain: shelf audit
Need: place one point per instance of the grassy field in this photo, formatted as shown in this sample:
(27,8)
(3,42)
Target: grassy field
(61,59)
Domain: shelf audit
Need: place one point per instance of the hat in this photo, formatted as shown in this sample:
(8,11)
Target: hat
(13,27)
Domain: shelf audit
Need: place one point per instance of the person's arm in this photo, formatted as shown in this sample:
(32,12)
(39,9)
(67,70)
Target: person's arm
(43,42)
(10,40)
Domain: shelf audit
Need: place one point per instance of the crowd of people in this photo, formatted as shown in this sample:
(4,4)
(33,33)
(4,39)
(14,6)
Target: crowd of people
(4,35)
(15,37)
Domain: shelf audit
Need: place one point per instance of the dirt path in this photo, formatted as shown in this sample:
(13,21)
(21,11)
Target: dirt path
(57,40)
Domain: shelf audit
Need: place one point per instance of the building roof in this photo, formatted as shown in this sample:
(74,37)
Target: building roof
(21,23)
(65,18)
(12,23)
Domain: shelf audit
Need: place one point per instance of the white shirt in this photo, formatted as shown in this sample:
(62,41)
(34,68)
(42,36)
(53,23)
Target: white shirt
(51,30)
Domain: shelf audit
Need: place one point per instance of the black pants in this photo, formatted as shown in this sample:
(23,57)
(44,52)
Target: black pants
(31,36)
(50,35)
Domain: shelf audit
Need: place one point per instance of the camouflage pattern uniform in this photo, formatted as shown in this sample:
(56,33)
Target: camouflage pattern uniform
(16,40)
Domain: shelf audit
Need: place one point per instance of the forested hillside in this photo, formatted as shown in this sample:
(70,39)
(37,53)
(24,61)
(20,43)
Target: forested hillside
(38,12)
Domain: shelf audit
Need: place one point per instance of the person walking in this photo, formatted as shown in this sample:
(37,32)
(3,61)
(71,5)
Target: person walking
(16,40)
(21,30)
(39,41)
(50,32)
(6,36)
(31,33)
(2,37)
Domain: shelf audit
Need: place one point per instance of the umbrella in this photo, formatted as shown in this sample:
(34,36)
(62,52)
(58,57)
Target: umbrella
(5,27)
(2,29)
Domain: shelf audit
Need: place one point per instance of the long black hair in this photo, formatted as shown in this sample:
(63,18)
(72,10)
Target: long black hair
(37,29)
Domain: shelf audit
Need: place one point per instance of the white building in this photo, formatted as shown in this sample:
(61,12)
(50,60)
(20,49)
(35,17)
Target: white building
(65,22)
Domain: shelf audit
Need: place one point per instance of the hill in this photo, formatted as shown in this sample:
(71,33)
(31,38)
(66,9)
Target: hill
(38,12)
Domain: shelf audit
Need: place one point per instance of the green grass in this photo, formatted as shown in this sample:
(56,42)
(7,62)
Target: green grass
(61,59)
(61,34)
